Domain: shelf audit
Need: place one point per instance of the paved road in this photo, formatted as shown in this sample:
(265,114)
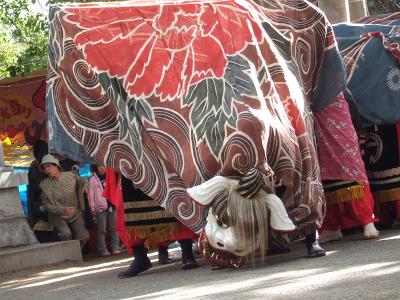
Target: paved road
(353,269)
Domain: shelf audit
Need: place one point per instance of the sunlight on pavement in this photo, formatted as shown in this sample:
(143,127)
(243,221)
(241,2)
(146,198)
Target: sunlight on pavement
(80,269)
(53,280)
(49,277)
(225,286)
(11,283)
(46,274)
(384,271)
(320,280)
(284,283)
(396,237)
(333,252)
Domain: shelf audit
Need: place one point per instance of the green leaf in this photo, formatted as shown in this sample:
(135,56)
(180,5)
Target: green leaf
(212,102)
(143,110)
(132,112)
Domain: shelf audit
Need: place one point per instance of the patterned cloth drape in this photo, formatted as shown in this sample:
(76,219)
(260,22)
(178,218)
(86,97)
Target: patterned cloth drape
(171,94)
(371,51)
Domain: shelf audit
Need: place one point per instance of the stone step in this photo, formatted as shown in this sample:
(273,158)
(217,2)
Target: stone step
(23,257)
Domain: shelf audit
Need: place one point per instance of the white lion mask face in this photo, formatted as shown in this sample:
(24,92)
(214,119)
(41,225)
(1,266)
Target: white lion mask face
(222,237)
(232,226)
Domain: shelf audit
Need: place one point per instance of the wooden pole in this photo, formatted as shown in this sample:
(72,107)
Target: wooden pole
(1,155)
(337,11)
(358,9)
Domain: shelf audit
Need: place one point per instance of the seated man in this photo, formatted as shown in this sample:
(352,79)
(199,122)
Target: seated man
(62,194)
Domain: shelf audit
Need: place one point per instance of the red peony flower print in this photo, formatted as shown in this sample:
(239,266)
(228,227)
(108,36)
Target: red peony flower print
(162,49)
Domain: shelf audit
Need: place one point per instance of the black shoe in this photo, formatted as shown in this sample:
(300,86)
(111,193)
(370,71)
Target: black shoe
(277,251)
(140,264)
(316,250)
(217,267)
(313,248)
(189,264)
(188,260)
(135,268)
(163,258)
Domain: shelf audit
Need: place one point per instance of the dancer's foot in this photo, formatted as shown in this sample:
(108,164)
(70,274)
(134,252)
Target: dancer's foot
(135,268)
(189,264)
(217,267)
(328,236)
(188,260)
(163,258)
(316,250)
(140,264)
(313,248)
(370,232)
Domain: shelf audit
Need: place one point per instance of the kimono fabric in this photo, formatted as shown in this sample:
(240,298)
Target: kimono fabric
(382,161)
(349,200)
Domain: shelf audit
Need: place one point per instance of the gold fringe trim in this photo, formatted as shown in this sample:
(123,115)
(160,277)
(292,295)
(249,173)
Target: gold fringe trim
(387,195)
(152,215)
(153,234)
(140,204)
(355,192)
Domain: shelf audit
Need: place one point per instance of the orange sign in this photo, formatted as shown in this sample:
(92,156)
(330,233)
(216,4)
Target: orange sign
(14,110)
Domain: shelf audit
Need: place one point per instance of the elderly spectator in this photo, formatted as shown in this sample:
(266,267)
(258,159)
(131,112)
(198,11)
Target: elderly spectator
(62,194)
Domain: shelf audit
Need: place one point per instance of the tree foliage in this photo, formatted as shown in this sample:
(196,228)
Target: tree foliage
(25,33)
(23,36)
(8,54)
(377,7)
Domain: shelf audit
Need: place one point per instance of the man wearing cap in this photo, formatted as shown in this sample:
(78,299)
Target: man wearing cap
(62,194)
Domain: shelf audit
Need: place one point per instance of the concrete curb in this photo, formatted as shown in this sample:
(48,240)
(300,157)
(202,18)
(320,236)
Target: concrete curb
(23,257)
